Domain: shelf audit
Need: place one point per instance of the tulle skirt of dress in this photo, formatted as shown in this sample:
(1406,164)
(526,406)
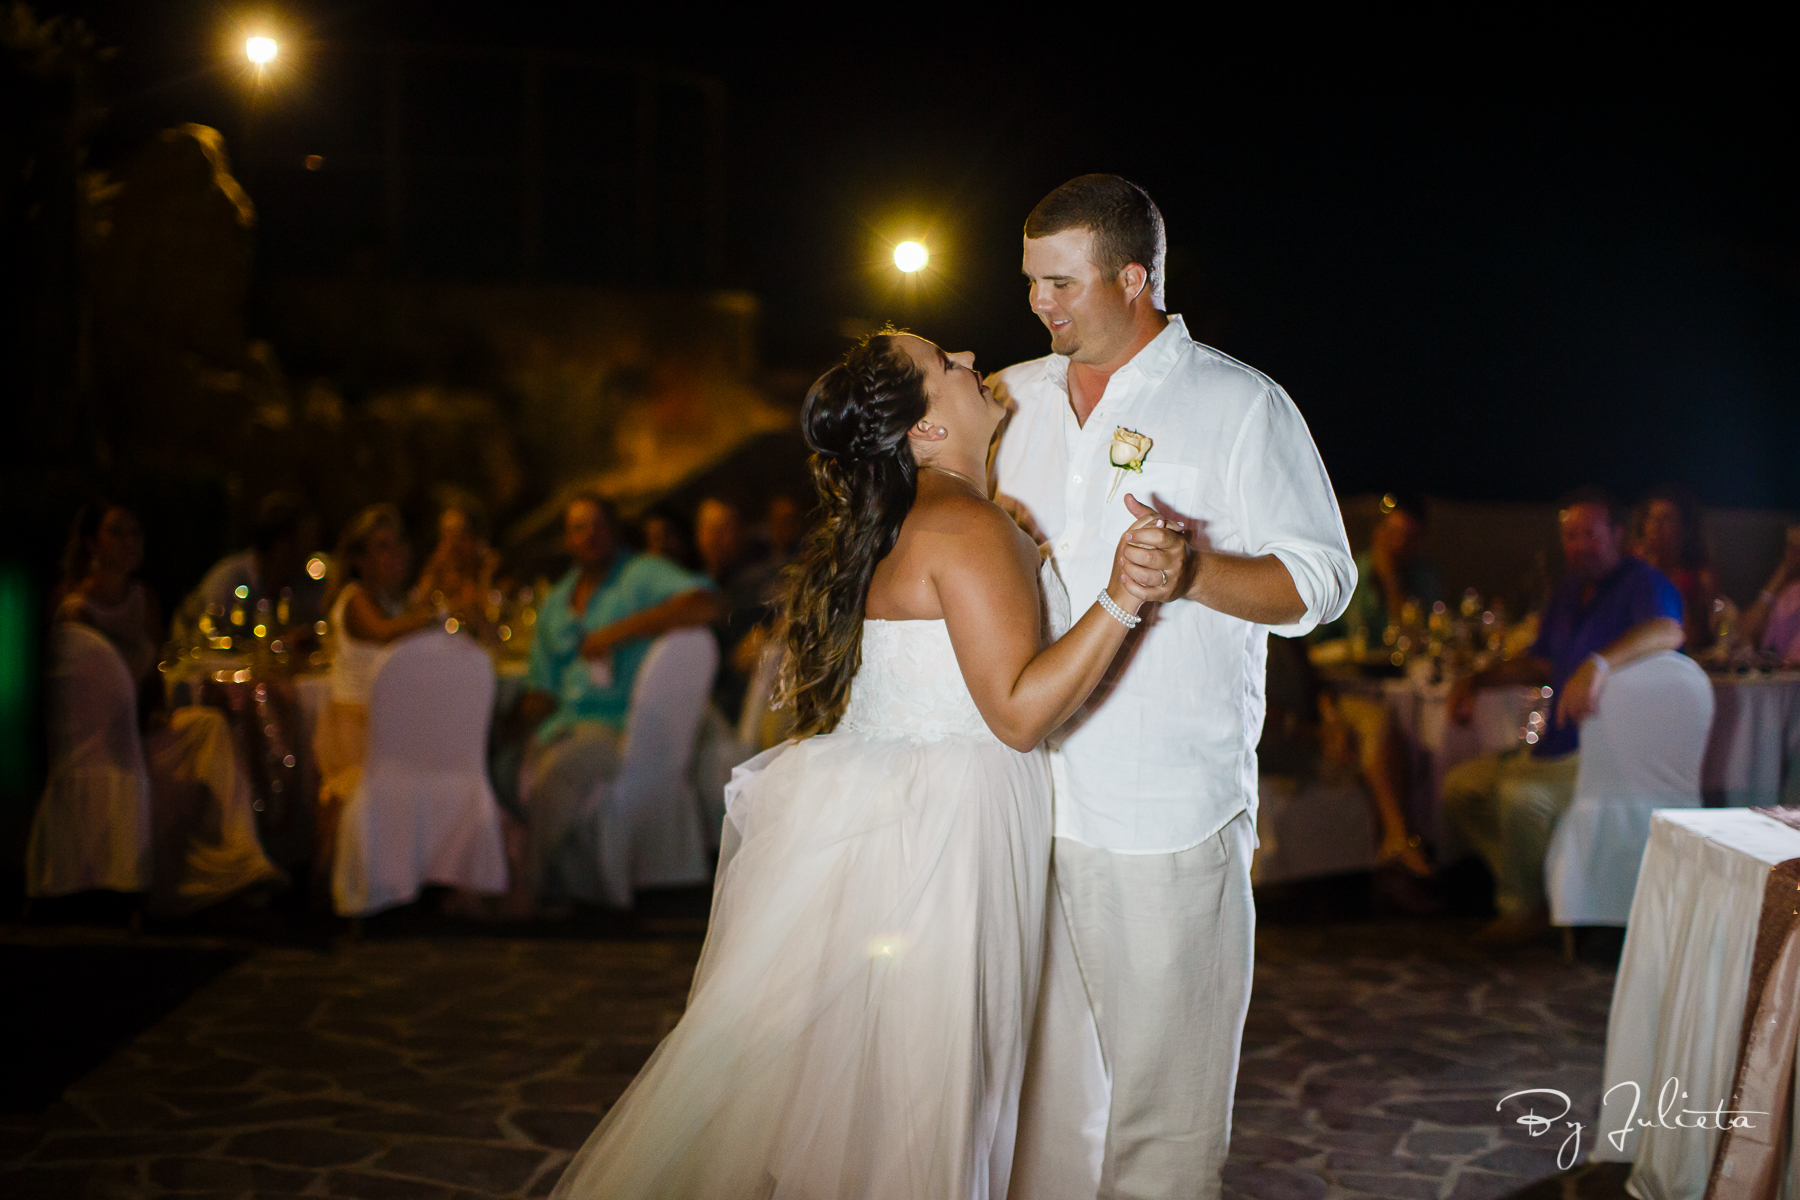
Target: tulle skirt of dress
(859,1017)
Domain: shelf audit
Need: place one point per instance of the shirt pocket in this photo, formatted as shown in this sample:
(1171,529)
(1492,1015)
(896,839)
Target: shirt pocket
(1170,488)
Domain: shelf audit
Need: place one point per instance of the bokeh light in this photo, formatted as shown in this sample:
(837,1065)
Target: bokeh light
(260,50)
(911,257)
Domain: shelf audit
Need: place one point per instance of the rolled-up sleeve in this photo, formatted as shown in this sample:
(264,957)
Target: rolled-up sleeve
(1287,508)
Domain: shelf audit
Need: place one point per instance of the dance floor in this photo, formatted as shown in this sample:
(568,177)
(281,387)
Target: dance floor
(465,1066)
(1375,1057)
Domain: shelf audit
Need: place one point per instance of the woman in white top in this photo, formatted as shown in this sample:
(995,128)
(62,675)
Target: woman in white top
(460,570)
(203,814)
(367,613)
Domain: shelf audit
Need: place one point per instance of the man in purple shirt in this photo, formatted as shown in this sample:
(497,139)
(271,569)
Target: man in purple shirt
(1611,609)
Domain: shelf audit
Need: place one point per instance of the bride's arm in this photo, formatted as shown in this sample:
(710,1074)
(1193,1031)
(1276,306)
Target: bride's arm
(987,582)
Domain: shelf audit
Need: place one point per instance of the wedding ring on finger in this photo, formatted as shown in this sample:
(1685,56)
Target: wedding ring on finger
(1165,576)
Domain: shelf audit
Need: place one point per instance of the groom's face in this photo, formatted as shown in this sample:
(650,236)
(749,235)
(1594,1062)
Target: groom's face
(1087,313)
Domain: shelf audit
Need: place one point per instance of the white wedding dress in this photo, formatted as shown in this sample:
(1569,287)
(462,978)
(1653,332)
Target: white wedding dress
(859,1018)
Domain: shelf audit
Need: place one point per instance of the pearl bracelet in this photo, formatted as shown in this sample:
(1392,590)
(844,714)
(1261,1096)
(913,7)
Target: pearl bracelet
(1118,614)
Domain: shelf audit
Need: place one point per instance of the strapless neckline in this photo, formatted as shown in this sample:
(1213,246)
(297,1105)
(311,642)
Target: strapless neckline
(910,684)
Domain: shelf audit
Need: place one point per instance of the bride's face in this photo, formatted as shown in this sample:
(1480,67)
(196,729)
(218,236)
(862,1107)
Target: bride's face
(958,399)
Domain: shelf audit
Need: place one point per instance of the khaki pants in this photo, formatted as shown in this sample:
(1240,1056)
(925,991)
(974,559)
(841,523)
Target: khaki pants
(563,775)
(1163,945)
(1504,807)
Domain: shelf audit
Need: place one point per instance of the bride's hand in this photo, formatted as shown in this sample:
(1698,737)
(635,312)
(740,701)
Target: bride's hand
(1127,589)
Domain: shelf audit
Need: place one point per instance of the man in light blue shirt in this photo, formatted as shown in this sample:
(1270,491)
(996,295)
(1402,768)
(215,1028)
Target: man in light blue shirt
(594,630)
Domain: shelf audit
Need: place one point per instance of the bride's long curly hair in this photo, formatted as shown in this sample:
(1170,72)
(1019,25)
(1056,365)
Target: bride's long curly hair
(855,420)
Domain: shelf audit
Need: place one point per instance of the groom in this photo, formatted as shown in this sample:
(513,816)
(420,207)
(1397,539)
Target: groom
(1155,779)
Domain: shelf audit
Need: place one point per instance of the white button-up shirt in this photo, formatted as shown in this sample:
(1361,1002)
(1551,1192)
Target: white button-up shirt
(1164,753)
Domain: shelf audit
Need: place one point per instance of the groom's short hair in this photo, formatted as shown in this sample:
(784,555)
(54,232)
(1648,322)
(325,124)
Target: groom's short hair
(1127,226)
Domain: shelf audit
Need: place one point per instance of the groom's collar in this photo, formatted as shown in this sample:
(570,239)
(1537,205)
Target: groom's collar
(1154,361)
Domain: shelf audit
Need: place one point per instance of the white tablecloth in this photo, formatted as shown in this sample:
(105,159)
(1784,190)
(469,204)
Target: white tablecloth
(1678,1005)
(1753,755)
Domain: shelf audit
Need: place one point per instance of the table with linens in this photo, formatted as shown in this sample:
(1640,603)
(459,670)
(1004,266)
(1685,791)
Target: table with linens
(1419,703)
(266,714)
(1706,1010)
(1753,754)
(273,714)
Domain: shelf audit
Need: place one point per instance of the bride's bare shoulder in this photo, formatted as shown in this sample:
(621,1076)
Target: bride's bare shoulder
(960,526)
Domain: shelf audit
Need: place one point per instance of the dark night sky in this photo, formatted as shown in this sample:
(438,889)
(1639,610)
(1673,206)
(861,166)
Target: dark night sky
(1482,281)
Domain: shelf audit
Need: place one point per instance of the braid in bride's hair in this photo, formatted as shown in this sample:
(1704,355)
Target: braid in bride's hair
(855,420)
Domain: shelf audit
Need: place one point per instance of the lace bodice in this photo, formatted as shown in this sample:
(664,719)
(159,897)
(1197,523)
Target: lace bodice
(910,684)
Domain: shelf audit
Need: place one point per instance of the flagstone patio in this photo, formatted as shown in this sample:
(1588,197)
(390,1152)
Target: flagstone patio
(426,1068)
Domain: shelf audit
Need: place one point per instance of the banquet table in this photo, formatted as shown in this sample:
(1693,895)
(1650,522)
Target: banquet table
(1713,941)
(1435,743)
(267,721)
(1753,754)
(273,715)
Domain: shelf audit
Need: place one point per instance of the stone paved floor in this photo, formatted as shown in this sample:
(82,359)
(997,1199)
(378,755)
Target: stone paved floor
(470,1066)
(1374,1059)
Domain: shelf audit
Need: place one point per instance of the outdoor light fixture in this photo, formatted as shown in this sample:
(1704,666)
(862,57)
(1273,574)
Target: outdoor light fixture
(260,50)
(911,257)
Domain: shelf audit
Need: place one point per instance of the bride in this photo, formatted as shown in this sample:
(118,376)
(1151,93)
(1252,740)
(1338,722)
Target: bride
(859,1016)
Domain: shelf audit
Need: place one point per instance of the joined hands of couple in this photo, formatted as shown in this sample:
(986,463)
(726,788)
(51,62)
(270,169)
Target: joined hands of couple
(1156,557)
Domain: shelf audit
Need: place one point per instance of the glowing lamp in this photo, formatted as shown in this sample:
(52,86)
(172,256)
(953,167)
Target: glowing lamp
(260,50)
(911,256)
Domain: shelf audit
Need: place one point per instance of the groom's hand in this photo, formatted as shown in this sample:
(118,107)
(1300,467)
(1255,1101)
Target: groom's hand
(1158,555)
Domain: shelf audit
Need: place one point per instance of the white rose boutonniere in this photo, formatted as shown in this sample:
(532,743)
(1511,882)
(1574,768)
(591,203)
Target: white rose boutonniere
(1129,450)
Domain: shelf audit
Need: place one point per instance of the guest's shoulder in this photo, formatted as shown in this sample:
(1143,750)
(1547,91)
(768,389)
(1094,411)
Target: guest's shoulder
(1641,576)
(561,590)
(69,605)
(655,571)
(233,569)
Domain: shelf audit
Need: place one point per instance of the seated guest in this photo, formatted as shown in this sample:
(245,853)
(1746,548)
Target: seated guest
(593,632)
(460,571)
(260,578)
(1312,732)
(1390,572)
(204,820)
(667,533)
(1610,609)
(369,612)
(785,524)
(1667,535)
(746,594)
(1773,622)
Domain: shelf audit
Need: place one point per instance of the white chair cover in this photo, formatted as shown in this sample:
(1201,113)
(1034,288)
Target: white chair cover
(92,828)
(1640,752)
(424,811)
(643,829)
